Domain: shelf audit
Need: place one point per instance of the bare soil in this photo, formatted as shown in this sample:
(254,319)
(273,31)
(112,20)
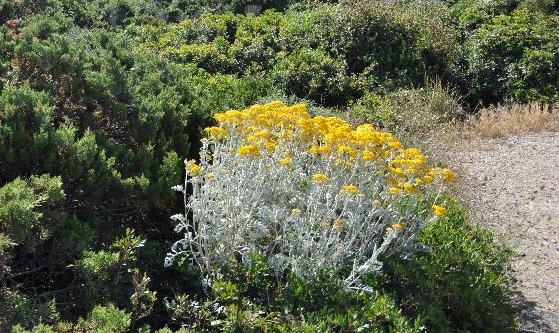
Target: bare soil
(511,186)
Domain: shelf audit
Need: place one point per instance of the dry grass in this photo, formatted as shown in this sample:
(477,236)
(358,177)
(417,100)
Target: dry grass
(499,122)
(505,121)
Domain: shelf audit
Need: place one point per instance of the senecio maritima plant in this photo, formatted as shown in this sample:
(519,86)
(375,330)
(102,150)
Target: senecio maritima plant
(308,194)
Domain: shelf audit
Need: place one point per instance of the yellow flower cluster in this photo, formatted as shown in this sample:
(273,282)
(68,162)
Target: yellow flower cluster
(320,178)
(325,191)
(439,210)
(350,189)
(339,224)
(192,167)
(396,227)
(216,131)
(261,128)
(249,150)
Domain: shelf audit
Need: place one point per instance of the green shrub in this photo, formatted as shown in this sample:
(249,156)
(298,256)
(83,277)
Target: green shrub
(114,13)
(120,119)
(257,42)
(461,284)
(375,41)
(333,52)
(103,270)
(313,29)
(102,319)
(312,74)
(222,43)
(410,112)
(26,207)
(22,310)
(41,328)
(25,113)
(250,298)
(223,92)
(469,14)
(544,6)
(437,40)
(8,34)
(105,319)
(189,7)
(20,9)
(513,57)
(210,57)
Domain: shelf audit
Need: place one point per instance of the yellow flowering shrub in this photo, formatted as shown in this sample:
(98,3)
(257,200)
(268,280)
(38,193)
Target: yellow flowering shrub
(308,193)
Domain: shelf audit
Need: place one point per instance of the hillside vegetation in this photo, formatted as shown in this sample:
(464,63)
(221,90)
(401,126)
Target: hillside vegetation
(101,102)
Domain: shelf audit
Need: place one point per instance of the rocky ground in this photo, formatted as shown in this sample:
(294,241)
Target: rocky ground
(512,187)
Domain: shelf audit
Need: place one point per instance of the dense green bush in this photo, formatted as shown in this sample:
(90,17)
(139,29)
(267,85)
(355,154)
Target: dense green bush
(384,45)
(461,284)
(102,319)
(190,7)
(409,112)
(218,43)
(542,6)
(377,43)
(437,36)
(469,14)
(26,208)
(250,298)
(313,75)
(109,126)
(342,50)
(513,57)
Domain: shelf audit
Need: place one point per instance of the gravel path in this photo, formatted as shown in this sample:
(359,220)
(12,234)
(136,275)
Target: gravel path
(512,187)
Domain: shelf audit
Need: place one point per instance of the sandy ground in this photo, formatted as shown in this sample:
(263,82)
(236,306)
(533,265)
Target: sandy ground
(511,186)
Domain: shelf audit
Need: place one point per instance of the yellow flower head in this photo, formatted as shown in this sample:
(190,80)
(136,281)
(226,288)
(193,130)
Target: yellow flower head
(192,167)
(398,172)
(216,131)
(248,150)
(394,190)
(271,146)
(439,211)
(346,150)
(314,149)
(339,224)
(324,149)
(350,189)
(448,176)
(369,155)
(320,178)
(398,226)
(395,144)
(410,188)
(285,161)
(262,134)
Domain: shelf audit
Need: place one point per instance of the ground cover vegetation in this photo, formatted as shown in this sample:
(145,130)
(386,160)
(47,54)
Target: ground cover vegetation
(101,101)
